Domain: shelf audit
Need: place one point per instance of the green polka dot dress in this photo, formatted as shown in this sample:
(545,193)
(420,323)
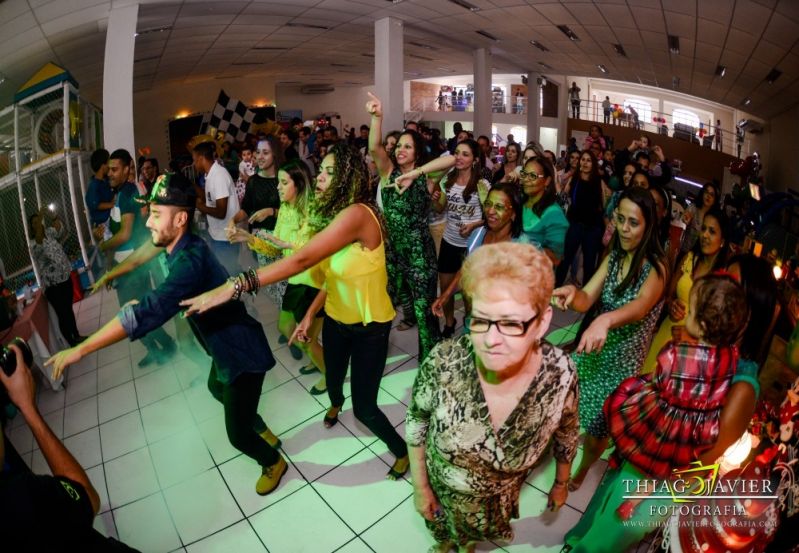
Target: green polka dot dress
(599,373)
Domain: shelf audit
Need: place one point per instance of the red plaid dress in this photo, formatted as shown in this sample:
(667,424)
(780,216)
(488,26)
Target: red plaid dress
(660,421)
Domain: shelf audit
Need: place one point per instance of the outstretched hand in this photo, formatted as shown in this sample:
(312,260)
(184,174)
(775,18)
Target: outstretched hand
(62,360)
(210,299)
(563,297)
(374,106)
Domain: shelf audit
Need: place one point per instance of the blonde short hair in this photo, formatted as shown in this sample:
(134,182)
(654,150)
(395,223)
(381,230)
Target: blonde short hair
(521,264)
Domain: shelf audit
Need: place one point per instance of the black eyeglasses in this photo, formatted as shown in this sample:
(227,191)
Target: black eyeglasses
(506,327)
(533,175)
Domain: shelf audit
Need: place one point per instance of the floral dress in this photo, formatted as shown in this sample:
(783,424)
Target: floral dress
(476,472)
(411,259)
(600,372)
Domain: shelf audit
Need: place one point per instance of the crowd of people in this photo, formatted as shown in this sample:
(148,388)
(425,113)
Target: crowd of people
(345,231)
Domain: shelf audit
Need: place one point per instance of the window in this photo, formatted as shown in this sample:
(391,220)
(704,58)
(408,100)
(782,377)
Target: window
(685,117)
(643,108)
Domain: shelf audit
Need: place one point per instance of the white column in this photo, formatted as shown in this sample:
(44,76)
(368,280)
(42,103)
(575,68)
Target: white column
(482,92)
(533,108)
(389,69)
(563,111)
(120,42)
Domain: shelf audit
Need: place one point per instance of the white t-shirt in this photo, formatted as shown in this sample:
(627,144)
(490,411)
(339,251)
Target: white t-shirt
(460,213)
(218,185)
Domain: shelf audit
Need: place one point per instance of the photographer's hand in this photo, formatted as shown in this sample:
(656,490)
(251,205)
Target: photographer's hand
(20,385)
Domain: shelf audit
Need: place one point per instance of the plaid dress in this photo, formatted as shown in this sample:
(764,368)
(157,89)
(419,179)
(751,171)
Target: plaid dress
(660,421)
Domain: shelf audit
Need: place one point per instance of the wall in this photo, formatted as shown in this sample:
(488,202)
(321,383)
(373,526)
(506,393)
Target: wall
(348,101)
(152,109)
(783,152)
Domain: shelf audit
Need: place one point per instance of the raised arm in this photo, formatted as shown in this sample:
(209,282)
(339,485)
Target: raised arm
(351,225)
(375,108)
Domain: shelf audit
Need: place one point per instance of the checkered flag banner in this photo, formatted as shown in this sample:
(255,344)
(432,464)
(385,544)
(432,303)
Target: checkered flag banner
(230,117)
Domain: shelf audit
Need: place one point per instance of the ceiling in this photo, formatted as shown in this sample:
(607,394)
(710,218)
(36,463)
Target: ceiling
(332,41)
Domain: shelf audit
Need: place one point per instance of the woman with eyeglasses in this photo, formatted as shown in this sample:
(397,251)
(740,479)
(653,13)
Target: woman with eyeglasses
(503,212)
(629,287)
(543,220)
(485,406)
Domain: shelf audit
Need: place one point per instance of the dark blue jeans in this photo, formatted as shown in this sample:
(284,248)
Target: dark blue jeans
(587,237)
(365,347)
(242,421)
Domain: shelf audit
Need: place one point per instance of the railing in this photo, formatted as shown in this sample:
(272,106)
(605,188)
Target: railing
(445,103)
(664,124)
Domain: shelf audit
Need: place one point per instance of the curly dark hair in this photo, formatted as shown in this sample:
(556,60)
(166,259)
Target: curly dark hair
(720,308)
(350,185)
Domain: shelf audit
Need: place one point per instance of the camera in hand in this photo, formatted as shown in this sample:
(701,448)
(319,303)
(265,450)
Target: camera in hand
(8,359)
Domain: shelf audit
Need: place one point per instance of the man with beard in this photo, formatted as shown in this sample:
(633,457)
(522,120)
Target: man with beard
(240,354)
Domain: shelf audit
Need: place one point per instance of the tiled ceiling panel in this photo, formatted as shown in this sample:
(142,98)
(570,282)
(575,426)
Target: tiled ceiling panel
(205,40)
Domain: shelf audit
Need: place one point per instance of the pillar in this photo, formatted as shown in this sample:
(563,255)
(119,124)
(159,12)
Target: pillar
(482,92)
(563,112)
(389,76)
(533,108)
(120,42)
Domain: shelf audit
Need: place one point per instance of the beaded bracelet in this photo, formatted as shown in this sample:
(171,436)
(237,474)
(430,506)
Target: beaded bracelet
(255,283)
(237,288)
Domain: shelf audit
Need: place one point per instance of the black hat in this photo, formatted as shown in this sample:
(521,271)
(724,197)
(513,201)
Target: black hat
(171,189)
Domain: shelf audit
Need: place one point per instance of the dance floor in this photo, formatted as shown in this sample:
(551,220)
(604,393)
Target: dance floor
(153,443)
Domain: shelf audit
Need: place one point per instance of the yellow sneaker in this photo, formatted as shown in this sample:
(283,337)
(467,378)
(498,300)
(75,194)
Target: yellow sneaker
(270,477)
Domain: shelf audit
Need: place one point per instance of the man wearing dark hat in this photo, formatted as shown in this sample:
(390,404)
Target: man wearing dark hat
(235,341)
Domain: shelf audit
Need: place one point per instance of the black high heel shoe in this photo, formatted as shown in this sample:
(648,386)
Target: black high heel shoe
(329,421)
(449,331)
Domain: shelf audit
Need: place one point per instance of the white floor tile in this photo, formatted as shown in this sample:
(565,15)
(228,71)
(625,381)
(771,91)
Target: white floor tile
(240,538)
(358,546)
(49,400)
(80,416)
(191,374)
(130,478)
(399,383)
(402,525)
(88,363)
(81,387)
(241,474)
(114,352)
(113,374)
(189,504)
(287,406)
(180,457)
(538,529)
(156,385)
(117,401)
(85,447)
(544,474)
(97,478)
(297,531)
(166,417)
(146,525)
(275,377)
(202,404)
(55,421)
(317,450)
(215,437)
(21,437)
(122,435)
(396,357)
(394,410)
(104,523)
(39,463)
(359,492)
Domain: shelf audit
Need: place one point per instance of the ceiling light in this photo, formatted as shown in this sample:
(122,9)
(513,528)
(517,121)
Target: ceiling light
(418,57)
(488,35)
(266,48)
(151,58)
(412,73)
(773,75)
(568,32)
(422,45)
(539,46)
(467,5)
(544,65)
(721,70)
(308,26)
(341,65)
(619,49)
(602,68)
(746,101)
(674,44)
(153,30)
(446,69)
